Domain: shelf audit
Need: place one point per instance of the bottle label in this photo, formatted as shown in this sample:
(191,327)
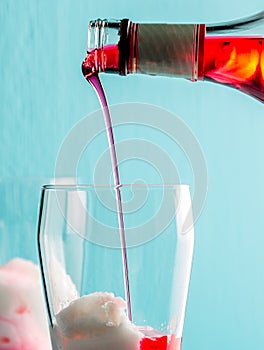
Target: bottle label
(170,49)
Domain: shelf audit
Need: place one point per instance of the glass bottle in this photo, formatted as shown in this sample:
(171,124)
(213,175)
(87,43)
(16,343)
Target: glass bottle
(231,53)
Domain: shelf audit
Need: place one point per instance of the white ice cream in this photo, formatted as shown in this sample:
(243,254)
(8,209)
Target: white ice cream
(96,322)
(23,323)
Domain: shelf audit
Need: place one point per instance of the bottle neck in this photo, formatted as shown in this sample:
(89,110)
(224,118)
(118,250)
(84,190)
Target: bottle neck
(125,47)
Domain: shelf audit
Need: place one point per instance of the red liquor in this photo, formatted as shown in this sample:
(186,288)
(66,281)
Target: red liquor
(234,61)
(237,62)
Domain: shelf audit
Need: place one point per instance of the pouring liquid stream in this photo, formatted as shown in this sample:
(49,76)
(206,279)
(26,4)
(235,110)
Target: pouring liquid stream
(149,341)
(92,77)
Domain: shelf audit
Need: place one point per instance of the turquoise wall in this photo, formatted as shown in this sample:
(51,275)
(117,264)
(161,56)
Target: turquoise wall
(43,95)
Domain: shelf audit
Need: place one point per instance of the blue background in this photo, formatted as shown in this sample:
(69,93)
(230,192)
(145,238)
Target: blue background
(43,94)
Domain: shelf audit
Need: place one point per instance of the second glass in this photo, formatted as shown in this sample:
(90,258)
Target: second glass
(82,263)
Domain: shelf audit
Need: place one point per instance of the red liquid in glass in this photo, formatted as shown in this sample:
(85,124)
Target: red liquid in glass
(166,342)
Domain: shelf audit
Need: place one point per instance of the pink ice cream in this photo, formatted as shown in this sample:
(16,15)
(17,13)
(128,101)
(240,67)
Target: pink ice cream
(23,323)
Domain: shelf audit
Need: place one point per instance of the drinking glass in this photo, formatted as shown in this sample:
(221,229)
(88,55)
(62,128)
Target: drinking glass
(105,291)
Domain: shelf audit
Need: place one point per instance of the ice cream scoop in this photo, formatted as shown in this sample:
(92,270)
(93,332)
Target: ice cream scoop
(96,321)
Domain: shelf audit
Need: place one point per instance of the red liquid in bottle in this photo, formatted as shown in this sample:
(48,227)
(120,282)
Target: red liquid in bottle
(237,62)
(105,60)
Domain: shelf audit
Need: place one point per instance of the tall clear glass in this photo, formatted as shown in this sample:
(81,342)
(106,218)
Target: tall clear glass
(82,265)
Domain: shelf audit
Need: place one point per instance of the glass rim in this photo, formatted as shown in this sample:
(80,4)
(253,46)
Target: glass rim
(77,187)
